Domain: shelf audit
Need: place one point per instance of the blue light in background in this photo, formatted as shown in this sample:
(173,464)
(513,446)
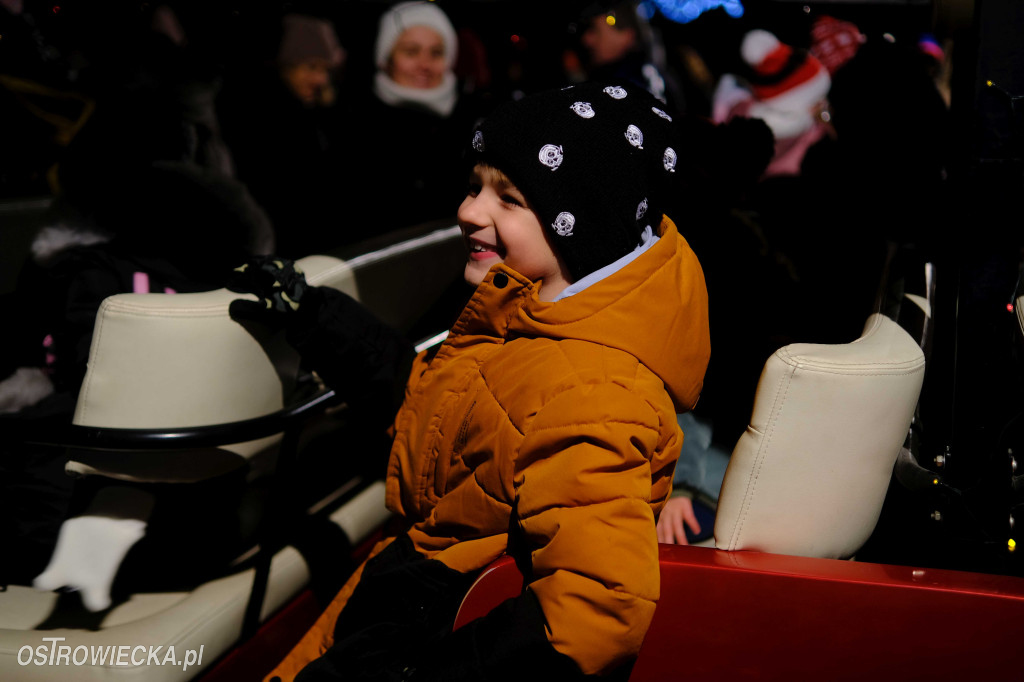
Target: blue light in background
(685,11)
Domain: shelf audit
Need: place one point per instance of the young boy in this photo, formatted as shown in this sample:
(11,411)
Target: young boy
(545,425)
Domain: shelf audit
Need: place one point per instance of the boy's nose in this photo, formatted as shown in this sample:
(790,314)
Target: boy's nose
(471,212)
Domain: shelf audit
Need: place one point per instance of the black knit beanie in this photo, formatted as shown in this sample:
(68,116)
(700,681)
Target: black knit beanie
(593,160)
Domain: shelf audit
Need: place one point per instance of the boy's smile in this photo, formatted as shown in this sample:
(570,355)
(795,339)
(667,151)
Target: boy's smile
(480,249)
(500,227)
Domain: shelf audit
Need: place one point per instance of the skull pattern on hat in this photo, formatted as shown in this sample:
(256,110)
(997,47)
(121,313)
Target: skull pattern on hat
(593,160)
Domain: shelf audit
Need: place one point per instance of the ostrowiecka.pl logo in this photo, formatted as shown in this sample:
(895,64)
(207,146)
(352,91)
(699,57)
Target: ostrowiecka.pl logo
(53,653)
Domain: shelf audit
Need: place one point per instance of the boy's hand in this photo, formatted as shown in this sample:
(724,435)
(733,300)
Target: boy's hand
(670,524)
(278,283)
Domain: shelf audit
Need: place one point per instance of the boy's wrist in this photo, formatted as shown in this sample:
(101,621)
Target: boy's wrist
(682,490)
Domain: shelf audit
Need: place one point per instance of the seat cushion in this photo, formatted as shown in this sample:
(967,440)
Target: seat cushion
(209,616)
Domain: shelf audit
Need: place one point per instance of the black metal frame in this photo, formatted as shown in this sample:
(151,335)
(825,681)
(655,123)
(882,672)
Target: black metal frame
(78,436)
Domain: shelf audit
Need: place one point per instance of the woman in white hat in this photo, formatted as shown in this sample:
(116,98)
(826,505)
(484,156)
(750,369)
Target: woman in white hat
(415,53)
(409,128)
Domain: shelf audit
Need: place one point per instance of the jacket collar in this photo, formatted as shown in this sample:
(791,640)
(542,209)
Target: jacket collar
(490,310)
(655,309)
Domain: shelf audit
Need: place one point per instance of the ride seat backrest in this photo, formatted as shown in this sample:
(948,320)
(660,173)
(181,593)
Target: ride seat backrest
(172,361)
(809,475)
(179,361)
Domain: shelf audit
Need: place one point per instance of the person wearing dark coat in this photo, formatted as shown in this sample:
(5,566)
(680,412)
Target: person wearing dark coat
(621,47)
(404,136)
(280,123)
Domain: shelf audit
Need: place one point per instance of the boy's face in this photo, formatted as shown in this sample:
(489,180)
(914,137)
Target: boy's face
(499,227)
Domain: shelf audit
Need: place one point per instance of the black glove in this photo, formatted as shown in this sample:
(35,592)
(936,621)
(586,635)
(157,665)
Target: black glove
(278,283)
(345,343)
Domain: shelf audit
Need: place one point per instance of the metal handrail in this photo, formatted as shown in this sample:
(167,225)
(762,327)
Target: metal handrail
(212,435)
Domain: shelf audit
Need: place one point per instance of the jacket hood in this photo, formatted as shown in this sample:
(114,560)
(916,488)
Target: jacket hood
(655,308)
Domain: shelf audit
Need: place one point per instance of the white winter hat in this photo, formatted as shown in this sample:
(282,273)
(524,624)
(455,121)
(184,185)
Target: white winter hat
(406,15)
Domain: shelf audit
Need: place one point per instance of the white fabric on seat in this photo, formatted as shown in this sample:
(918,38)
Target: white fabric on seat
(809,476)
(91,547)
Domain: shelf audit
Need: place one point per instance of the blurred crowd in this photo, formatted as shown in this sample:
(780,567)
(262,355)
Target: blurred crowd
(177,138)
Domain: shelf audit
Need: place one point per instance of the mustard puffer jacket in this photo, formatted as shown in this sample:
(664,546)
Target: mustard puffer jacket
(561,419)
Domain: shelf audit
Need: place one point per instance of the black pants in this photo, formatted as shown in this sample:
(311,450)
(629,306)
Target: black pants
(403,605)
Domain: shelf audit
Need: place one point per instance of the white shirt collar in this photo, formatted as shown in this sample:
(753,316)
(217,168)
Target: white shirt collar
(647,240)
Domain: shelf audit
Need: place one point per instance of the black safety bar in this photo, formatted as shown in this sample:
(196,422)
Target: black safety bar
(31,432)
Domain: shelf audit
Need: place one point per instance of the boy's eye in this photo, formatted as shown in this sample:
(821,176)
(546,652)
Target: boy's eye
(509,199)
(472,189)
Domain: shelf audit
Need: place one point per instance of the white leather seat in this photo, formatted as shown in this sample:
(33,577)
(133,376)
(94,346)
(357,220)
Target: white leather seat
(809,475)
(163,361)
(167,361)
(209,616)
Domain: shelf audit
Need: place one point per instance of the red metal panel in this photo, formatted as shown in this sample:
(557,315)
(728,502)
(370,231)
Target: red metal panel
(496,583)
(755,616)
